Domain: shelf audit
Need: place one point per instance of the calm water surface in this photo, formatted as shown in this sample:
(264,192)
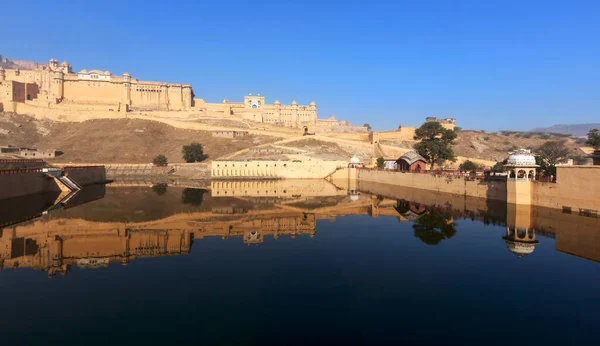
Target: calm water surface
(174,266)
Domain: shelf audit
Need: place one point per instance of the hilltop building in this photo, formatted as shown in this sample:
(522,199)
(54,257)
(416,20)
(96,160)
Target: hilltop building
(447,123)
(54,84)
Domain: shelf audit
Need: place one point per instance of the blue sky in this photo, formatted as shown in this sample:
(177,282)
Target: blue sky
(491,64)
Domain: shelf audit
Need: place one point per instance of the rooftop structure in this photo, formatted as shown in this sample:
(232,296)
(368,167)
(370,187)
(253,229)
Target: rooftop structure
(521,165)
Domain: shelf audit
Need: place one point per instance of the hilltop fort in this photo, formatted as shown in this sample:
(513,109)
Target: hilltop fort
(55,91)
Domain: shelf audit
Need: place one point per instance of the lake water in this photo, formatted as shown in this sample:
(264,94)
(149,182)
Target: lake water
(165,265)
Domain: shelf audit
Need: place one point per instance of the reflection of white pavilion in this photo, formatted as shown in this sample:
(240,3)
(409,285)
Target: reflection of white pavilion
(521,165)
(520,241)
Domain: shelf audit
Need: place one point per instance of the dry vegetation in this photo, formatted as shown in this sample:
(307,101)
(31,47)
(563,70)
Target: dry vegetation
(495,147)
(115,141)
(328,150)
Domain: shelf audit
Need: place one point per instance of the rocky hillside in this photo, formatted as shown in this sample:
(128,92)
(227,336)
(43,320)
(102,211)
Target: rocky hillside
(115,141)
(21,64)
(576,130)
(495,147)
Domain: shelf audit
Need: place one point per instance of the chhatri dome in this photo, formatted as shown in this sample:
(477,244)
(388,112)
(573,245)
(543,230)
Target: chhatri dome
(277,103)
(521,165)
(355,160)
(521,158)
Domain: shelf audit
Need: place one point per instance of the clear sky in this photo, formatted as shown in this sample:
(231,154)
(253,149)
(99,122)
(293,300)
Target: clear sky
(490,64)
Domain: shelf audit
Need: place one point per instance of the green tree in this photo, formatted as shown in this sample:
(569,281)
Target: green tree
(553,152)
(367,126)
(468,166)
(160,160)
(434,227)
(159,189)
(193,153)
(498,167)
(436,142)
(593,139)
(545,168)
(457,128)
(380,162)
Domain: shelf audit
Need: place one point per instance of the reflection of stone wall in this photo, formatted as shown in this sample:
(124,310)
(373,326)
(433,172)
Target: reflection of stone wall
(296,169)
(275,188)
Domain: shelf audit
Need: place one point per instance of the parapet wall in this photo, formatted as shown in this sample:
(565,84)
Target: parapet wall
(86,175)
(576,187)
(402,134)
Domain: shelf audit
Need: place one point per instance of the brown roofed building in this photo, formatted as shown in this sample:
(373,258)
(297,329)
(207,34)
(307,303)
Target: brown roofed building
(412,162)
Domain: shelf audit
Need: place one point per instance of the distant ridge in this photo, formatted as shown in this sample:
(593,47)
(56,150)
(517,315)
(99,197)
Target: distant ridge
(577,130)
(21,64)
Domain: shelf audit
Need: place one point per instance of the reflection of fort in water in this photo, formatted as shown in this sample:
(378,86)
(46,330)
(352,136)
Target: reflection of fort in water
(53,242)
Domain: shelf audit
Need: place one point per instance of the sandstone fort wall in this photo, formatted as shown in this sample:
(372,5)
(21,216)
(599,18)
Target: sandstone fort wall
(440,184)
(576,187)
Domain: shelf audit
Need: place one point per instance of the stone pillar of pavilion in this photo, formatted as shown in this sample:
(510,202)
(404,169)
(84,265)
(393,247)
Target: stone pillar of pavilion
(521,172)
(353,175)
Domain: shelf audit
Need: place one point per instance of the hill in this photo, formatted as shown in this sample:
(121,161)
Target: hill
(115,140)
(139,141)
(495,147)
(576,130)
(21,64)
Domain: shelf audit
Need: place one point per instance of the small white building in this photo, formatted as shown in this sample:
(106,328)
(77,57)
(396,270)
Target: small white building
(521,165)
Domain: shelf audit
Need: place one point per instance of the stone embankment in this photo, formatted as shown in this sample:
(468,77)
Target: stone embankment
(118,171)
(23,182)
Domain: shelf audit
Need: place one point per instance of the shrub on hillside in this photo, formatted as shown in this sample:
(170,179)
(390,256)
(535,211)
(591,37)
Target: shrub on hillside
(160,160)
(193,153)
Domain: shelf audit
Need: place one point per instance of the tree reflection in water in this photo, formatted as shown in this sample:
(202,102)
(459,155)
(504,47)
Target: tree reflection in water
(159,189)
(433,227)
(430,225)
(193,196)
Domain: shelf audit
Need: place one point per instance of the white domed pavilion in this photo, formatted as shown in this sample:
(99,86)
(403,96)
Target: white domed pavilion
(521,165)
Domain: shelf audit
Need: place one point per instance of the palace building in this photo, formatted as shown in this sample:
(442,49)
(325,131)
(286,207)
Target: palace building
(55,84)
(254,108)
